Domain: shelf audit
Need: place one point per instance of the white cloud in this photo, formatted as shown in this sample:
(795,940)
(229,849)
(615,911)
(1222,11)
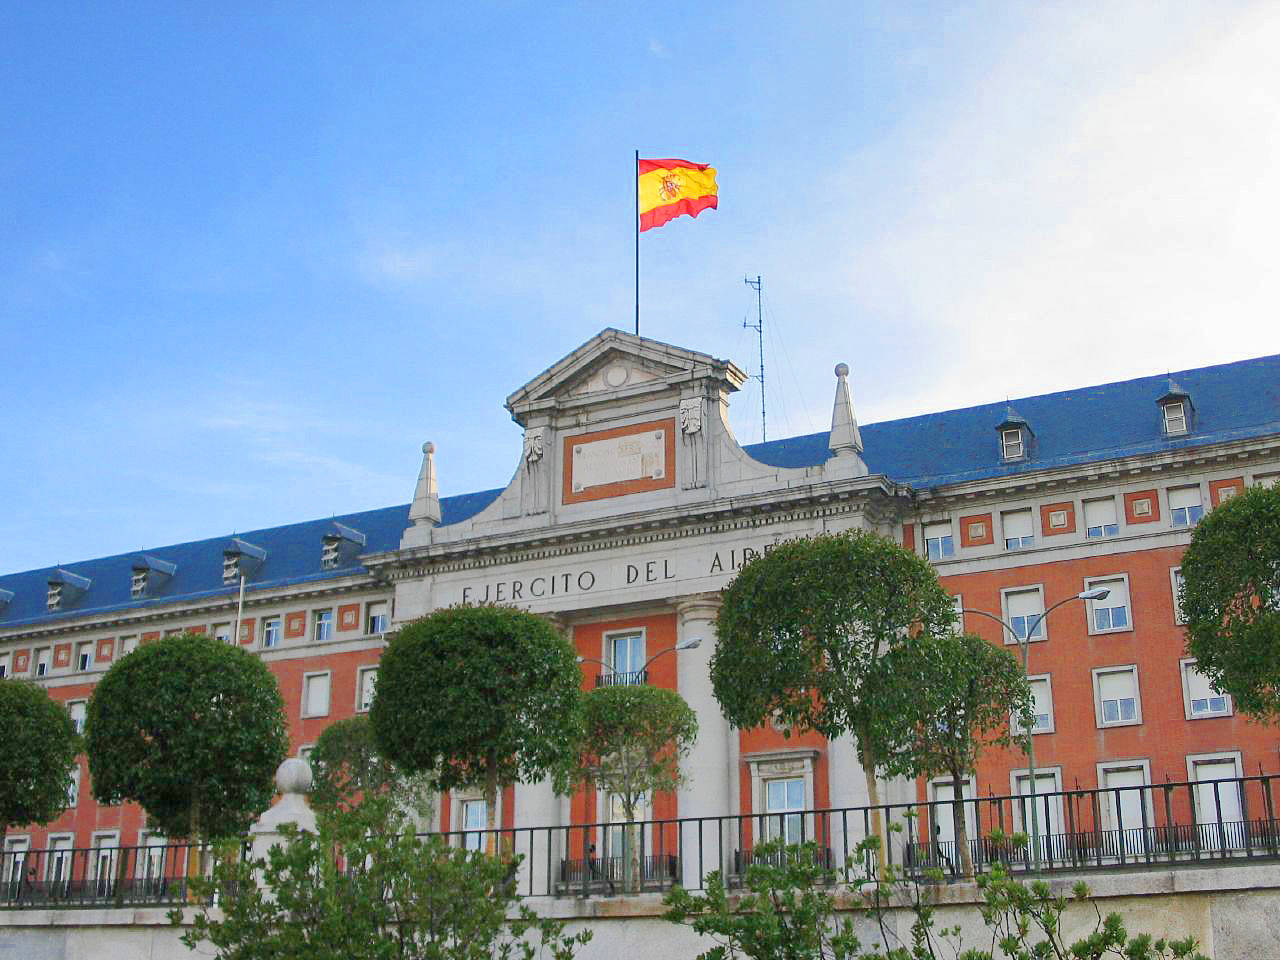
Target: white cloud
(658,49)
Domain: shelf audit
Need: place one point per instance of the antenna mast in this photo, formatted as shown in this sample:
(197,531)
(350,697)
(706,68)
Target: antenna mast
(757,285)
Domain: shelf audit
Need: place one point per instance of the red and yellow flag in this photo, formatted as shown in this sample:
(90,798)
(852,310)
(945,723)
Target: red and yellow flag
(670,188)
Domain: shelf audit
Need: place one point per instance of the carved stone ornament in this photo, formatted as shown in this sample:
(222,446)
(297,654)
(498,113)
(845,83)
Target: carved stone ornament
(781,768)
(533,447)
(534,491)
(691,415)
(693,438)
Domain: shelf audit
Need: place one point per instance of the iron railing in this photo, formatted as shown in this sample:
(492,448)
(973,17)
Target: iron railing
(616,678)
(1098,829)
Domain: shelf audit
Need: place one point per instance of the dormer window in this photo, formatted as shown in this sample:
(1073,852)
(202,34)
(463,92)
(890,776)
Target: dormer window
(1015,437)
(150,574)
(65,588)
(1177,411)
(241,559)
(1011,443)
(340,546)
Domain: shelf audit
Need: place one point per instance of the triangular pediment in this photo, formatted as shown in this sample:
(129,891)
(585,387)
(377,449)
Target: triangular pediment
(613,364)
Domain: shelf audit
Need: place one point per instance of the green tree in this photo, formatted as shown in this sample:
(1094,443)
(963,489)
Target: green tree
(366,888)
(347,767)
(193,730)
(35,769)
(802,631)
(479,696)
(957,693)
(1231,600)
(633,739)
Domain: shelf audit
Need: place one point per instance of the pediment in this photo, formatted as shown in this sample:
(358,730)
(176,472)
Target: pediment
(614,363)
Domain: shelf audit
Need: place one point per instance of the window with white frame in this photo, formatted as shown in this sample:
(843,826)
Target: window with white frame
(1041,706)
(1019,529)
(474,822)
(1185,506)
(73,787)
(376,619)
(938,542)
(222,633)
(77,709)
(1175,586)
(270,632)
(366,683)
(1175,417)
(4,664)
(315,695)
(106,845)
(1100,518)
(305,751)
(1111,613)
(1124,803)
(942,814)
(1024,612)
(957,604)
(84,656)
(57,863)
(1048,807)
(1116,696)
(322,625)
(151,858)
(1217,798)
(1201,700)
(128,645)
(15,861)
(782,785)
(1011,443)
(624,652)
(784,809)
(42,661)
(615,837)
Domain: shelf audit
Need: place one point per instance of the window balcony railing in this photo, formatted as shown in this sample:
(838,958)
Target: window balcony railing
(615,678)
(1161,825)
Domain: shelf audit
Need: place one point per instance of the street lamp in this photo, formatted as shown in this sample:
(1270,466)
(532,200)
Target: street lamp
(690,644)
(1024,644)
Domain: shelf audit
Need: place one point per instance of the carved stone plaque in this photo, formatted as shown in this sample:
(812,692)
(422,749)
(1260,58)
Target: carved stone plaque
(616,462)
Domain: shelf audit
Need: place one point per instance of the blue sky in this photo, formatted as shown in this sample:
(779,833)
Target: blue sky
(252,255)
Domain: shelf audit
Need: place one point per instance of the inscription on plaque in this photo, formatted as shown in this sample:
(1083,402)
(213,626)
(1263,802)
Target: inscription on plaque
(640,456)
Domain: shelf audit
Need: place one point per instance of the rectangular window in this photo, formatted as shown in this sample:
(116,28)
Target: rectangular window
(84,656)
(1011,443)
(1185,506)
(1125,804)
(367,683)
(321,626)
(103,866)
(1024,609)
(1175,584)
(474,821)
(222,633)
(1201,699)
(270,632)
(1100,518)
(376,617)
(942,815)
(784,807)
(128,645)
(957,603)
(1048,810)
(42,662)
(4,664)
(1116,689)
(1111,613)
(1219,811)
(1019,529)
(15,864)
(57,864)
(624,652)
(938,542)
(1042,706)
(1175,418)
(315,695)
(73,788)
(77,710)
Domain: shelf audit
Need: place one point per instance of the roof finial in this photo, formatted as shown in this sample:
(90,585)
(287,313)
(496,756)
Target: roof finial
(426,498)
(846,439)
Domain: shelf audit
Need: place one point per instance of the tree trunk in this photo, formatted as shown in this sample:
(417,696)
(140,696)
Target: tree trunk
(491,803)
(959,829)
(873,800)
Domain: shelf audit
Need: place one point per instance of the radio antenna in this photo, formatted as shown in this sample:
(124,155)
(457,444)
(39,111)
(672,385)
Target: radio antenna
(757,285)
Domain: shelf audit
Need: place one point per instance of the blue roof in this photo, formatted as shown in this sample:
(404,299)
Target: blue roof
(1230,401)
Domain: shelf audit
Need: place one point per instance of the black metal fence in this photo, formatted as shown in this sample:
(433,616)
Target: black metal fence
(1099,829)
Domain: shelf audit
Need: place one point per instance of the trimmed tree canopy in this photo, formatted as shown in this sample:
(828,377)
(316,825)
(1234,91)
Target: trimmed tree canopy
(35,769)
(479,695)
(192,729)
(801,628)
(1231,600)
(633,740)
(348,769)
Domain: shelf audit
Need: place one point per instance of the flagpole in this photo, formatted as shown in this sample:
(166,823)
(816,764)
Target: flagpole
(637,209)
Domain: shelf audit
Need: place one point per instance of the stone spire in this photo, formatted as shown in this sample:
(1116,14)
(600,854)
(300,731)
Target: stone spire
(426,498)
(846,440)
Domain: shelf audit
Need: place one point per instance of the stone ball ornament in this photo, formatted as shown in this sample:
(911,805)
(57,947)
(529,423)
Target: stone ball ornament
(294,776)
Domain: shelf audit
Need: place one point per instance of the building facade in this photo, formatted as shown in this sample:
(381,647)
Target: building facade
(632,506)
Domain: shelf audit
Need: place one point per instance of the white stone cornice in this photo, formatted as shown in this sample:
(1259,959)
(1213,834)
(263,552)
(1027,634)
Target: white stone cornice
(697,606)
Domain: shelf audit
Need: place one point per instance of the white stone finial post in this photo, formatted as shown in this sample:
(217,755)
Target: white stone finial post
(426,497)
(846,440)
(293,780)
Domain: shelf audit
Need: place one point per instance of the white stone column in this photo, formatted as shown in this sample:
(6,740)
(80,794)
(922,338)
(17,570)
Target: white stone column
(536,806)
(706,791)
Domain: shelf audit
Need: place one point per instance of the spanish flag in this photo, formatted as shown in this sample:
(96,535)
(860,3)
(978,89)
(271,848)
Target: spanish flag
(669,188)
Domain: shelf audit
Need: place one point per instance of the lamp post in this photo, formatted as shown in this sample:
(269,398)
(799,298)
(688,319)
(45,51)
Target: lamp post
(1024,644)
(690,644)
